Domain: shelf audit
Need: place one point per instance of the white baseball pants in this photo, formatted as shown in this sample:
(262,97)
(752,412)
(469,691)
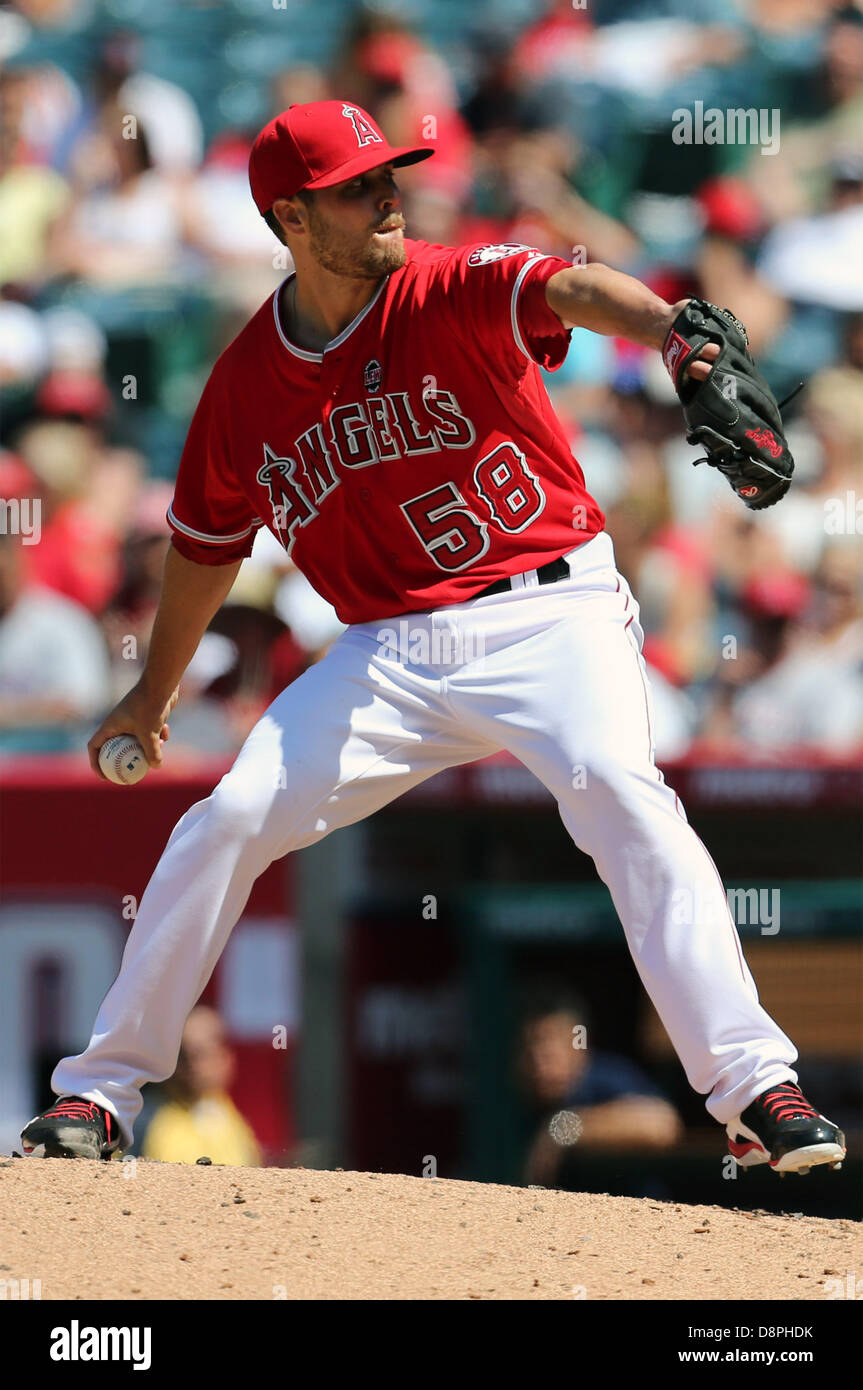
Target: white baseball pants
(553,673)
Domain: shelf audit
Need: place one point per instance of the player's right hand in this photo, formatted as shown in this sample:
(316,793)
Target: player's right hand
(141,714)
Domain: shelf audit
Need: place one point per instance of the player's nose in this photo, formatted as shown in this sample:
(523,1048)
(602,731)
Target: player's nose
(387,195)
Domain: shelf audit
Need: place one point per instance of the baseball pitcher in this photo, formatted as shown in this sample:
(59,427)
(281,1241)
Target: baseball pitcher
(383,413)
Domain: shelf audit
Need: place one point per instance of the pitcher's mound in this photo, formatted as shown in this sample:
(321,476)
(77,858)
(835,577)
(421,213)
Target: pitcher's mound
(166,1231)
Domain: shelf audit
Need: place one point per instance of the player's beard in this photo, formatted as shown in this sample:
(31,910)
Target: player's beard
(361,258)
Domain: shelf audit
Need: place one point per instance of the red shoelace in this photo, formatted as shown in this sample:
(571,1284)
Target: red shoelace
(74,1109)
(787,1102)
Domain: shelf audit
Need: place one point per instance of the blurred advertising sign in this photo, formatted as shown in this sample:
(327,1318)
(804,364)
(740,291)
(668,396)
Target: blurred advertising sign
(57,961)
(406,1031)
(76,857)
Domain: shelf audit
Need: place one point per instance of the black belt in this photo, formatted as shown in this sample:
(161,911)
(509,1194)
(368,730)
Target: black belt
(551,573)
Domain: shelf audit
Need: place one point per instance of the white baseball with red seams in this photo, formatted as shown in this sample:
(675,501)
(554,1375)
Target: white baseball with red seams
(123,761)
(412,464)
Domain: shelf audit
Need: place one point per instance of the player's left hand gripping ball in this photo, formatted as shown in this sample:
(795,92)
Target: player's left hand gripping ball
(122,760)
(732,414)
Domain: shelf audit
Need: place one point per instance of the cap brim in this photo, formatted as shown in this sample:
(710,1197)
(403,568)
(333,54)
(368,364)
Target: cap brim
(370,159)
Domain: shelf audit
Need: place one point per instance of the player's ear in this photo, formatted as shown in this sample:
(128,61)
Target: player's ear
(291,215)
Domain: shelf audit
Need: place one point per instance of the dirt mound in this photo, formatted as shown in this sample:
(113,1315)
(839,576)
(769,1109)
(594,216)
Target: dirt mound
(165,1231)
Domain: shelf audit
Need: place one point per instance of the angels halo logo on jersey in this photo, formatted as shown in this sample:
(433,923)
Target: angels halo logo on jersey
(484,255)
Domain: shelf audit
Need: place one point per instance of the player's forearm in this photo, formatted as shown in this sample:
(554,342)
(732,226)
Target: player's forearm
(607,301)
(191,596)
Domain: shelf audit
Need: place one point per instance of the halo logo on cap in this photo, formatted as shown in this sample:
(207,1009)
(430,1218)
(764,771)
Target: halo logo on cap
(363,130)
(319,144)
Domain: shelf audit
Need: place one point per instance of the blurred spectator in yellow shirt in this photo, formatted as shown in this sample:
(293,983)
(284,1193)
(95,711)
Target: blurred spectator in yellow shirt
(198,1119)
(33,197)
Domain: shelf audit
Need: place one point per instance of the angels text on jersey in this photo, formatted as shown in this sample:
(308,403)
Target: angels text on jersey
(392,426)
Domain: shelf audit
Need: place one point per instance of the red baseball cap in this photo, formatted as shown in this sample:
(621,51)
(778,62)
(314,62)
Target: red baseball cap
(316,145)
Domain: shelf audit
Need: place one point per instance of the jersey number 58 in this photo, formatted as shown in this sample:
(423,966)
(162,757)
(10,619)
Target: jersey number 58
(448,528)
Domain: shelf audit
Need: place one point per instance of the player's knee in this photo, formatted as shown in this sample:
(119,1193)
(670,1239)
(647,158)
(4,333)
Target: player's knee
(598,776)
(239,808)
(607,786)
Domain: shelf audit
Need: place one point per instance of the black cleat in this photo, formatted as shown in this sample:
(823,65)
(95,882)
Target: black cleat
(72,1128)
(781,1128)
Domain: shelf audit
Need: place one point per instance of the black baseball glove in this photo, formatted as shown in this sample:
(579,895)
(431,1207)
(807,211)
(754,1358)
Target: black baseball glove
(732,414)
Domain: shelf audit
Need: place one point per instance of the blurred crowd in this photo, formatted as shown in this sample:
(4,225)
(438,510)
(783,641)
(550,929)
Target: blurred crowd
(581,1103)
(131,253)
(192,1115)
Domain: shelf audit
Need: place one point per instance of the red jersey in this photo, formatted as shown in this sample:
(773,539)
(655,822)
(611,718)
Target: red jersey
(412,463)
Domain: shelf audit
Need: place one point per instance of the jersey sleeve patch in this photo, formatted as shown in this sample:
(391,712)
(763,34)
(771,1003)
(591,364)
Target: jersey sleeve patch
(486,255)
(495,312)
